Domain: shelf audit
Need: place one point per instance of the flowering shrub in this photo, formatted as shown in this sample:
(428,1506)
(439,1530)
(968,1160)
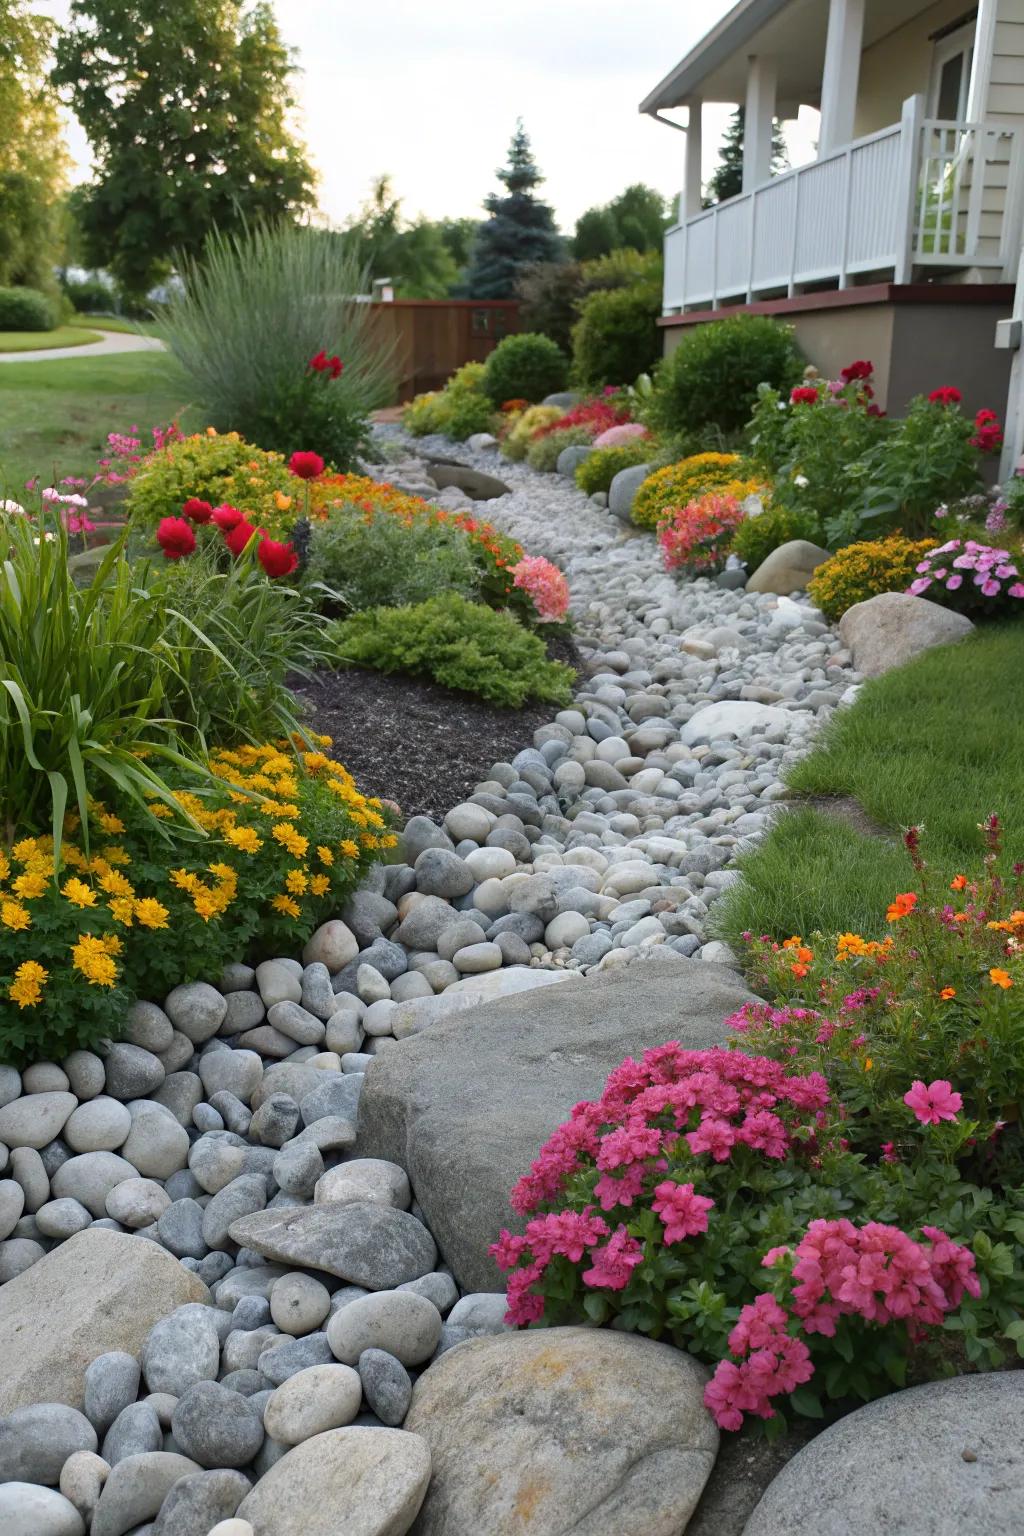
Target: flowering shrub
(457,411)
(970,577)
(680,483)
(599,469)
(261,854)
(865,570)
(546,586)
(596,415)
(214,468)
(625,432)
(223,526)
(698,537)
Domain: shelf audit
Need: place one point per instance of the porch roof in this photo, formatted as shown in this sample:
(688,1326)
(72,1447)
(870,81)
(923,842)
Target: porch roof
(793,32)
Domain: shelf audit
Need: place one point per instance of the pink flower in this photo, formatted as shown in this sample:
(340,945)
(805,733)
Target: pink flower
(933,1103)
(953,583)
(920,585)
(1017,590)
(683,1213)
(616,437)
(614,1263)
(727,1396)
(546,586)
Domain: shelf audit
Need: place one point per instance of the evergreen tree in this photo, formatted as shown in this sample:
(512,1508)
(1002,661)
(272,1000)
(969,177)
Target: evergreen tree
(188,111)
(520,230)
(727,178)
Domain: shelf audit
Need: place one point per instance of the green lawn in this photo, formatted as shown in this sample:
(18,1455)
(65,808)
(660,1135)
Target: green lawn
(939,743)
(43,341)
(55,416)
(120,325)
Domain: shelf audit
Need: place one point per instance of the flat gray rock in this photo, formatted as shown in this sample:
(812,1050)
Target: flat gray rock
(937,1460)
(365,1482)
(366,1244)
(442,1108)
(563,1430)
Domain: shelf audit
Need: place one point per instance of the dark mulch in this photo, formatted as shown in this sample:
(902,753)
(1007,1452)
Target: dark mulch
(412,741)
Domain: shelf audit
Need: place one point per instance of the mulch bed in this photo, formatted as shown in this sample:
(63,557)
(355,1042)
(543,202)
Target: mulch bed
(410,740)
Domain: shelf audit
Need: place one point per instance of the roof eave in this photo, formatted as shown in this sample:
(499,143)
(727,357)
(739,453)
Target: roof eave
(731,34)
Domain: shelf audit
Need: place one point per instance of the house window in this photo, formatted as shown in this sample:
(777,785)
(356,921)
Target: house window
(951,75)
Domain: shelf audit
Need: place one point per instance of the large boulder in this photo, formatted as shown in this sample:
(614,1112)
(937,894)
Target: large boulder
(363,1482)
(571,458)
(477,485)
(417,1013)
(624,487)
(889,630)
(465,1106)
(936,1460)
(97,1292)
(734,717)
(788,568)
(525,1429)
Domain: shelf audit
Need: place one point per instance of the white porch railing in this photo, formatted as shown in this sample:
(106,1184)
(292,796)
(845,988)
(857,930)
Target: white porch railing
(921,193)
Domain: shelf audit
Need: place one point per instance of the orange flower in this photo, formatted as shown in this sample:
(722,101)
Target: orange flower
(799,970)
(947,993)
(901,907)
(958,882)
(1000,978)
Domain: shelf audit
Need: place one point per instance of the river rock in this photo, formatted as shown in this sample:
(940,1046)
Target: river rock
(788,567)
(194,1503)
(216,1427)
(111,1383)
(366,1482)
(889,630)
(36,1441)
(361,1242)
(406,1325)
(314,1400)
(135,1490)
(27,1510)
(36,1119)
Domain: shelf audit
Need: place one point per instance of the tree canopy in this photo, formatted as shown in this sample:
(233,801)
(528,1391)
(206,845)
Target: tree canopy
(726,179)
(188,111)
(422,257)
(635,220)
(520,230)
(33,161)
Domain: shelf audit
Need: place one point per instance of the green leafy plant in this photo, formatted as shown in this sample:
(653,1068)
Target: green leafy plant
(616,337)
(714,373)
(757,536)
(524,367)
(26,309)
(458,411)
(219,468)
(388,561)
(252,315)
(864,570)
(543,452)
(931,456)
(460,644)
(597,472)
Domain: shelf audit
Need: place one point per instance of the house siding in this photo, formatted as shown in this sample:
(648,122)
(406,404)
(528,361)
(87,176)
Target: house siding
(900,65)
(1005,100)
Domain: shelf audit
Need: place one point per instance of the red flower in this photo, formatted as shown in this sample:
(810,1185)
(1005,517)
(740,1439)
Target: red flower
(335,364)
(858,370)
(804,394)
(175,538)
(321,363)
(988,434)
(227,518)
(277,559)
(239,536)
(198,511)
(947,395)
(306,465)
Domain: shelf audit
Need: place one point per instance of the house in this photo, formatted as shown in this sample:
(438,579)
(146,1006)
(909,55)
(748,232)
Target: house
(902,240)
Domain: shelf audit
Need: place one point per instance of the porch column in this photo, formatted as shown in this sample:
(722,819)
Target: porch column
(690,201)
(841,74)
(758,117)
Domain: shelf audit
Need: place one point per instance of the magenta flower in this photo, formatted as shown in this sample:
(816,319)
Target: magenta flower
(953,583)
(933,1103)
(920,585)
(683,1213)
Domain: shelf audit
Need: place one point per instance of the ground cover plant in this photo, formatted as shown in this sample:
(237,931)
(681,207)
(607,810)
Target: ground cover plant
(830,1208)
(927,742)
(599,469)
(864,570)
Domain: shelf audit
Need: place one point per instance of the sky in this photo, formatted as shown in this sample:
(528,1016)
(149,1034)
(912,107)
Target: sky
(430,93)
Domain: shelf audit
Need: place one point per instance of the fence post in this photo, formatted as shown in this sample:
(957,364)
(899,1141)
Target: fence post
(910,140)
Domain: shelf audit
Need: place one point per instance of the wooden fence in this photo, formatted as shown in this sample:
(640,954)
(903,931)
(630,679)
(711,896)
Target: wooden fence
(433,337)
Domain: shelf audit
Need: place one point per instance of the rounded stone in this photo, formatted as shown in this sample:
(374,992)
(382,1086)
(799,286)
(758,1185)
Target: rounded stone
(136,1488)
(12,1204)
(86,1074)
(111,1383)
(464,931)
(148,1026)
(365,1178)
(81,1481)
(27,1510)
(36,1119)
(193,1503)
(18,1254)
(157,1144)
(475,958)
(387,1386)
(61,1219)
(131,1072)
(298,1305)
(296,1022)
(135,1430)
(468,821)
(197,1009)
(333,944)
(90,1177)
(312,1401)
(232,1071)
(441,873)
(44,1077)
(404,1324)
(137,1202)
(490,863)
(100,1125)
(344,1033)
(563,931)
(36,1441)
(182,1349)
(216,1427)
(234,1527)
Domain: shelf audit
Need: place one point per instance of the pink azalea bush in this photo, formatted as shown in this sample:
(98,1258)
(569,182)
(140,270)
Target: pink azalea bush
(970,577)
(696,538)
(625,432)
(545,585)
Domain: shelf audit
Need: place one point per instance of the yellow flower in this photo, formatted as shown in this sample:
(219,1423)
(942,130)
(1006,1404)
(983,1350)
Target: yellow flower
(286,905)
(244,838)
(26,849)
(349,848)
(122,909)
(73,857)
(160,811)
(30,885)
(27,986)
(320,885)
(314,761)
(151,913)
(324,854)
(5,866)
(14,915)
(389,840)
(206,903)
(115,884)
(296,881)
(90,956)
(115,854)
(184,880)
(287,836)
(109,822)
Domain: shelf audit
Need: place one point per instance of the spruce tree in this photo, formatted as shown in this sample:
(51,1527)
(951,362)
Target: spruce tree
(727,178)
(520,230)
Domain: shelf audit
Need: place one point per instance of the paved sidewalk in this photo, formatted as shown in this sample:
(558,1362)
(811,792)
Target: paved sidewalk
(113,341)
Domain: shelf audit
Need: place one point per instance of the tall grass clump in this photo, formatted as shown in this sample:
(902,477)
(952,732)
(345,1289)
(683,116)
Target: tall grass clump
(262,317)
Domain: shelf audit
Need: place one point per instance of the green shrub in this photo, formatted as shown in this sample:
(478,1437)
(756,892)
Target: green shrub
(677,484)
(543,454)
(597,472)
(386,561)
(548,293)
(457,411)
(524,367)
(459,644)
(253,313)
(756,537)
(714,373)
(217,468)
(865,570)
(26,309)
(88,295)
(516,444)
(616,337)
(624,268)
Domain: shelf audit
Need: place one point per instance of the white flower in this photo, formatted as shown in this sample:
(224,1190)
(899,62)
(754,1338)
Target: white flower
(802,481)
(51,493)
(13,507)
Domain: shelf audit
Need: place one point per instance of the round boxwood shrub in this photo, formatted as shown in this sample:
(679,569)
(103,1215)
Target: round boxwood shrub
(756,537)
(679,483)
(597,472)
(616,337)
(713,375)
(26,309)
(865,570)
(524,367)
